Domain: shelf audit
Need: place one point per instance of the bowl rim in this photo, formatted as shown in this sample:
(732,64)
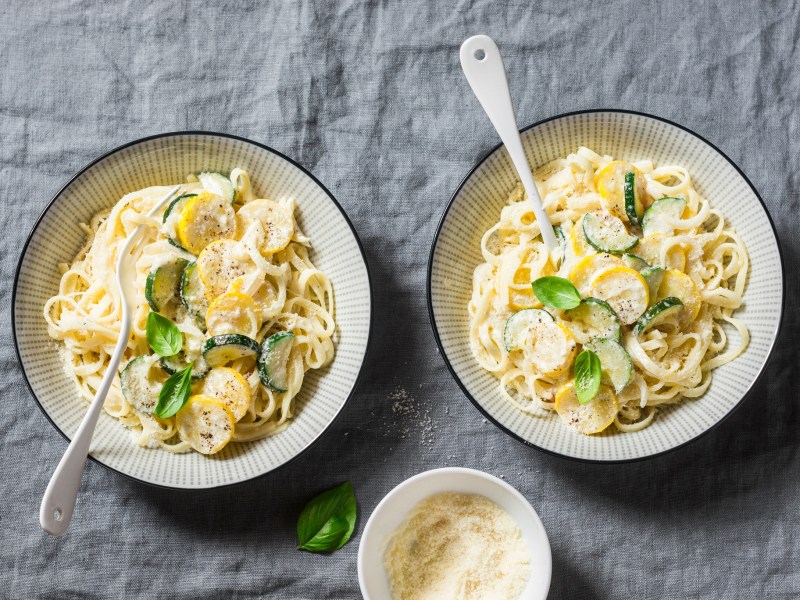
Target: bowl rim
(238,138)
(443,353)
(411,481)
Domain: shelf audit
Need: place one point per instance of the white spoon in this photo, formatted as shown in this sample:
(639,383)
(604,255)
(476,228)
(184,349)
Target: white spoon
(483,67)
(58,502)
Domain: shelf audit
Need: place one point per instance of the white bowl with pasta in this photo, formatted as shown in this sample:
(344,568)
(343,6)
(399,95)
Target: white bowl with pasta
(256,269)
(671,255)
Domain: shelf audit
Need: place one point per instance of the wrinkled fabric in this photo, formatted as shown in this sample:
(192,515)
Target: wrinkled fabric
(371,98)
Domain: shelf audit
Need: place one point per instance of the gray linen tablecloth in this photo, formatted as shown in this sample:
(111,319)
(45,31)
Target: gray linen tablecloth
(371,98)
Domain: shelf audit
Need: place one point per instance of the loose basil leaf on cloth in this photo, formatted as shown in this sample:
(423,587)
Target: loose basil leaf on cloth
(174,393)
(328,520)
(587,376)
(330,537)
(556,292)
(163,335)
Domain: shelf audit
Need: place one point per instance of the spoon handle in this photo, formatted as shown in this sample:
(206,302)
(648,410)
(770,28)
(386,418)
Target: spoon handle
(486,74)
(58,502)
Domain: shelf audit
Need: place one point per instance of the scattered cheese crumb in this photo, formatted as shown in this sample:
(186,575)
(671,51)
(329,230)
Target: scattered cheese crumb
(407,416)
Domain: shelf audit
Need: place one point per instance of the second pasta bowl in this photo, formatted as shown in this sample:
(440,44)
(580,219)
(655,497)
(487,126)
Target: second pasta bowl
(648,286)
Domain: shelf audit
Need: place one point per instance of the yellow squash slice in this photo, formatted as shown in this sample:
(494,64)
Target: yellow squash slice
(649,248)
(264,296)
(522,276)
(206,218)
(682,287)
(675,258)
(523,297)
(520,293)
(551,347)
(275,220)
(228,387)
(205,423)
(610,182)
(625,290)
(233,312)
(222,262)
(589,418)
(577,240)
(589,267)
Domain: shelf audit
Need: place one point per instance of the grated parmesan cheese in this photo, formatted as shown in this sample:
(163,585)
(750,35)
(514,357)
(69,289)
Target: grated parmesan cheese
(457,546)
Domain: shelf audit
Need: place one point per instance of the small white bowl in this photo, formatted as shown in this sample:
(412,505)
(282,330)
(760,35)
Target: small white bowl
(394,508)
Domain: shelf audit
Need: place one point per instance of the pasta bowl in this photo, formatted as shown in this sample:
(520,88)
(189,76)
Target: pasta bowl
(393,510)
(56,238)
(476,206)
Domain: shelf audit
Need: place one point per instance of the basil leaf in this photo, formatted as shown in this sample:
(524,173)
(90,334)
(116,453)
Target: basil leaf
(587,376)
(329,537)
(556,292)
(319,527)
(163,335)
(174,393)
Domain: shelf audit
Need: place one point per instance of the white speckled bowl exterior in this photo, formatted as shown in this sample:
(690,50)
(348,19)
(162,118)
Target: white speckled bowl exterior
(626,135)
(166,159)
(393,510)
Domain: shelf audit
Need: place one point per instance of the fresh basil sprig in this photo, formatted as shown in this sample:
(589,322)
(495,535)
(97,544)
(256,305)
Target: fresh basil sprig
(587,376)
(328,520)
(163,335)
(174,393)
(556,292)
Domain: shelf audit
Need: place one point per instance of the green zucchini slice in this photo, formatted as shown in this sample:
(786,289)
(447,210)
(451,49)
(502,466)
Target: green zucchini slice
(136,385)
(607,233)
(593,318)
(274,359)
(615,363)
(163,283)
(193,294)
(562,244)
(662,216)
(173,364)
(637,263)
(176,205)
(218,184)
(653,277)
(222,349)
(521,321)
(634,207)
(658,313)
(173,212)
